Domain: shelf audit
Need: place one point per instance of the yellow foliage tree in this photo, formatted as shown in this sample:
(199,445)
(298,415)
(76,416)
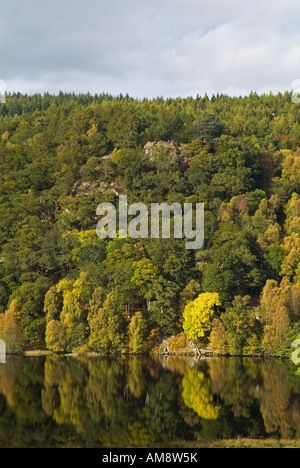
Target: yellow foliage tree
(197,316)
(292,223)
(275,315)
(236,208)
(137,333)
(291,168)
(291,246)
(68,331)
(56,336)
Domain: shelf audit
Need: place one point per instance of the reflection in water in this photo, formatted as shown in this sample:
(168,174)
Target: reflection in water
(67,401)
(196,393)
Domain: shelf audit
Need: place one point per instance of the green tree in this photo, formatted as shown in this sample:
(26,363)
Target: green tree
(53,304)
(144,275)
(233,269)
(163,310)
(107,326)
(242,326)
(30,298)
(209,128)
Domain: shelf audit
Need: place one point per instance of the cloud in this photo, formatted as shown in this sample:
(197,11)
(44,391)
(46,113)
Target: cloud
(148,49)
(254,51)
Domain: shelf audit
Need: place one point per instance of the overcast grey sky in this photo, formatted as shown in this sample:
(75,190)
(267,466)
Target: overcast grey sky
(150,48)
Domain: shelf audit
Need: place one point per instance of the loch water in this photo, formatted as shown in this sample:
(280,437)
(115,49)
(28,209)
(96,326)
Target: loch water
(68,401)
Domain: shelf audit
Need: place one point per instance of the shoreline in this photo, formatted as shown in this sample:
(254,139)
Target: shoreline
(154,354)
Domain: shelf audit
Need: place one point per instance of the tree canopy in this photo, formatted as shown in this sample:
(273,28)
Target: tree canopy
(61,156)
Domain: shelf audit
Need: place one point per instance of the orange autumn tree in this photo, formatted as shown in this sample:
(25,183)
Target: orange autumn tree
(10,330)
(218,337)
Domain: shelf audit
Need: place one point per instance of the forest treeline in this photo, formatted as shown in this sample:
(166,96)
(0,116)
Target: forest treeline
(63,288)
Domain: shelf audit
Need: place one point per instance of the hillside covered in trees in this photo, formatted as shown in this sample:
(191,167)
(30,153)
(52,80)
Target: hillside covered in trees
(65,289)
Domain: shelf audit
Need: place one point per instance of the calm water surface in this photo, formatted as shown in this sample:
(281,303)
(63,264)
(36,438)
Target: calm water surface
(67,401)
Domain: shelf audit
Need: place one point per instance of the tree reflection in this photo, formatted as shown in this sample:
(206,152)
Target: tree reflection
(275,400)
(68,401)
(239,391)
(196,393)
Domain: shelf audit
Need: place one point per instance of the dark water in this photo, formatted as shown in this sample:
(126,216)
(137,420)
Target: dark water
(67,401)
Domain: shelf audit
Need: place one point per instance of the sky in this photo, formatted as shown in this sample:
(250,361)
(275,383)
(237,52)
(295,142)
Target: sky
(152,48)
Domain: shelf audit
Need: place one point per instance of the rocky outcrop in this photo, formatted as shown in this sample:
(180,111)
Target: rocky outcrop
(176,152)
(113,186)
(84,187)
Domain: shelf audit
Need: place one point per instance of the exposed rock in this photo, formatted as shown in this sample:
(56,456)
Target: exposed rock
(177,153)
(111,187)
(105,158)
(82,187)
(172,148)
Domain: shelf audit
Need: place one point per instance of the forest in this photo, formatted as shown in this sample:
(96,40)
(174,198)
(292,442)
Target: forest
(64,289)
